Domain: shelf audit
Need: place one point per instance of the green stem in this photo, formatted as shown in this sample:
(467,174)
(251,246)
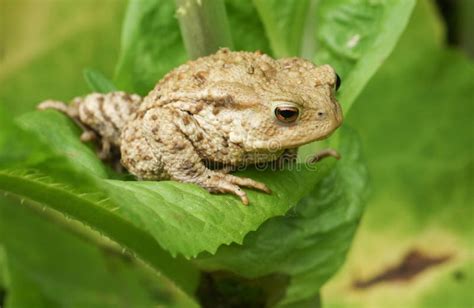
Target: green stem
(308,39)
(204,26)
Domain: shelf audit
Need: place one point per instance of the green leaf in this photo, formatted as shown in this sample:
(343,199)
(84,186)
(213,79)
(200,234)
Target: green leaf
(309,243)
(151,45)
(70,271)
(98,82)
(285,23)
(419,147)
(85,158)
(247,31)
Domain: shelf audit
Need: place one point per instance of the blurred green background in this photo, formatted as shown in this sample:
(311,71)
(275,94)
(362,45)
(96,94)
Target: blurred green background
(414,118)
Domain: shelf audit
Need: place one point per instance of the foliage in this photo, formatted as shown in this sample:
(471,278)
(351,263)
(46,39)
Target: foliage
(418,145)
(57,277)
(302,231)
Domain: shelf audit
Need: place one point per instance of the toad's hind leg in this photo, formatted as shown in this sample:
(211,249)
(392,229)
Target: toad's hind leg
(181,161)
(101,117)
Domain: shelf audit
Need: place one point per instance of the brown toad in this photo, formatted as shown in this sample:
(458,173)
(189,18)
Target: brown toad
(212,114)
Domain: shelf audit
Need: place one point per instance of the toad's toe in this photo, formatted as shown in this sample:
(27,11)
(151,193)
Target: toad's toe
(246,182)
(224,186)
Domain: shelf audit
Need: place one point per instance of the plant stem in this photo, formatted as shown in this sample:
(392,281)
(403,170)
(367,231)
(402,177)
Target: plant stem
(308,39)
(204,26)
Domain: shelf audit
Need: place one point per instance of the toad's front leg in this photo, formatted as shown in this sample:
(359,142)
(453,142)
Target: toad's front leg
(181,161)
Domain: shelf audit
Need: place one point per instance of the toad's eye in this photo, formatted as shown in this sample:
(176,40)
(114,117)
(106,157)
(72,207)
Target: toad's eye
(287,114)
(338,82)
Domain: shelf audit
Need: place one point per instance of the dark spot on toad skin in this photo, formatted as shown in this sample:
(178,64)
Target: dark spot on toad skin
(185,120)
(413,264)
(200,77)
(179,146)
(229,100)
(224,151)
(198,107)
(199,136)
(225,141)
(188,167)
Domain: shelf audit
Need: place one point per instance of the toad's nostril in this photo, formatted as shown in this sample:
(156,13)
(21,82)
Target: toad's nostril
(320,114)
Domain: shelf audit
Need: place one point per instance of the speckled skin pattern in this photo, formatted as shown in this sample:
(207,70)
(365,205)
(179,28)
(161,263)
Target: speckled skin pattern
(210,115)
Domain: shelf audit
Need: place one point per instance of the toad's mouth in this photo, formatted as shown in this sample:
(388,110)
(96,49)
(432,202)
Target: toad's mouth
(323,134)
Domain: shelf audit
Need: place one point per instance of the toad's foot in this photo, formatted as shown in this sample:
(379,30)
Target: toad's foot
(323,154)
(227,183)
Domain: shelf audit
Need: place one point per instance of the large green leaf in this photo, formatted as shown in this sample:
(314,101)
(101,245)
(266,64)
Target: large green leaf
(70,271)
(415,119)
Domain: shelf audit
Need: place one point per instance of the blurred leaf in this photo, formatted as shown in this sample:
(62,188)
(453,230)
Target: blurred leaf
(308,244)
(46,45)
(68,271)
(98,82)
(415,119)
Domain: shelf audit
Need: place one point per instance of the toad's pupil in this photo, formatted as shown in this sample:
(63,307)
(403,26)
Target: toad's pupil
(338,82)
(286,114)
